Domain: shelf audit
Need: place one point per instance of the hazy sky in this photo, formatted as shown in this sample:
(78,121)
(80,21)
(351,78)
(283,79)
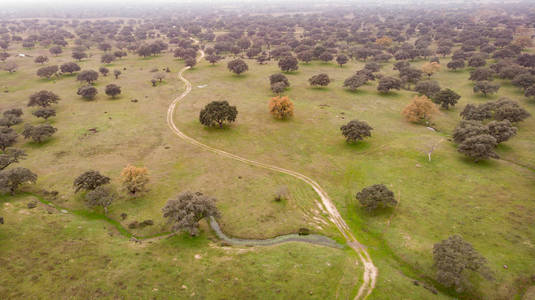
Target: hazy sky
(54,4)
(127,2)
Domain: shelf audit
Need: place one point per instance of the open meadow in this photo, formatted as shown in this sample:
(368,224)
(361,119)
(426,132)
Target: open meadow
(53,245)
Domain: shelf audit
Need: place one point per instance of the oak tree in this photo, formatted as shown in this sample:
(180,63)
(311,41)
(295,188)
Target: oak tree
(12,179)
(8,137)
(376,196)
(420,110)
(453,257)
(44,113)
(217,113)
(319,80)
(186,210)
(135,179)
(429,88)
(388,83)
(87,92)
(102,196)
(89,181)
(237,66)
(47,71)
(288,64)
(486,87)
(356,130)
(43,98)
(446,98)
(479,147)
(88,76)
(281,107)
(11,156)
(112,90)
(355,81)
(38,133)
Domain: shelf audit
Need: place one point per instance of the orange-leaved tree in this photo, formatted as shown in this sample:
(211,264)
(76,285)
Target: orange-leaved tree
(384,41)
(281,107)
(135,179)
(523,41)
(419,110)
(430,68)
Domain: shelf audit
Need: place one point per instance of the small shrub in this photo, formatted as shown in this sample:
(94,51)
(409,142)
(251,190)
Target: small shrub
(282,194)
(304,231)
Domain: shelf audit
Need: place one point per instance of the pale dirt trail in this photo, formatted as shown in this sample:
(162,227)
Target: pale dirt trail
(370,271)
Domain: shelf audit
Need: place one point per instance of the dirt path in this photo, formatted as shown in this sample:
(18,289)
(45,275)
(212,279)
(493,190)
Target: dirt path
(370,271)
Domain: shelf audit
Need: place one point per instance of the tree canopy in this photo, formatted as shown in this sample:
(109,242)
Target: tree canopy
(420,110)
(281,107)
(12,179)
(446,98)
(112,90)
(376,196)
(89,181)
(356,130)
(38,133)
(87,92)
(135,179)
(288,63)
(88,76)
(388,83)
(217,113)
(185,211)
(319,80)
(452,257)
(237,66)
(43,98)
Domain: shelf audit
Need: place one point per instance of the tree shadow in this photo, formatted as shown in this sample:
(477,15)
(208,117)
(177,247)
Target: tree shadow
(296,72)
(150,57)
(238,76)
(480,96)
(37,145)
(483,164)
(319,88)
(45,80)
(217,129)
(356,92)
(68,75)
(378,212)
(504,147)
(390,94)
(185,240)
(357,146)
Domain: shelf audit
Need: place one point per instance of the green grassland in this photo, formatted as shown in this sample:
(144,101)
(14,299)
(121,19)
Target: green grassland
(64,256)
(489,203)
(137,133)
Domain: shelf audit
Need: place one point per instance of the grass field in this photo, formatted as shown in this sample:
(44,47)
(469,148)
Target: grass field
(136,133)
(64,256)
(489,203)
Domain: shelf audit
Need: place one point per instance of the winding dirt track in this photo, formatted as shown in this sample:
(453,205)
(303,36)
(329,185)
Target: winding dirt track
(370,271)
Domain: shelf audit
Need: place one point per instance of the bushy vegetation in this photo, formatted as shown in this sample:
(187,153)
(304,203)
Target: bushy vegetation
(186,210)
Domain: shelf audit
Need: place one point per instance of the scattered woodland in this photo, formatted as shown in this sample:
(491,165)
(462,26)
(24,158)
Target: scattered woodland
(418,122)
